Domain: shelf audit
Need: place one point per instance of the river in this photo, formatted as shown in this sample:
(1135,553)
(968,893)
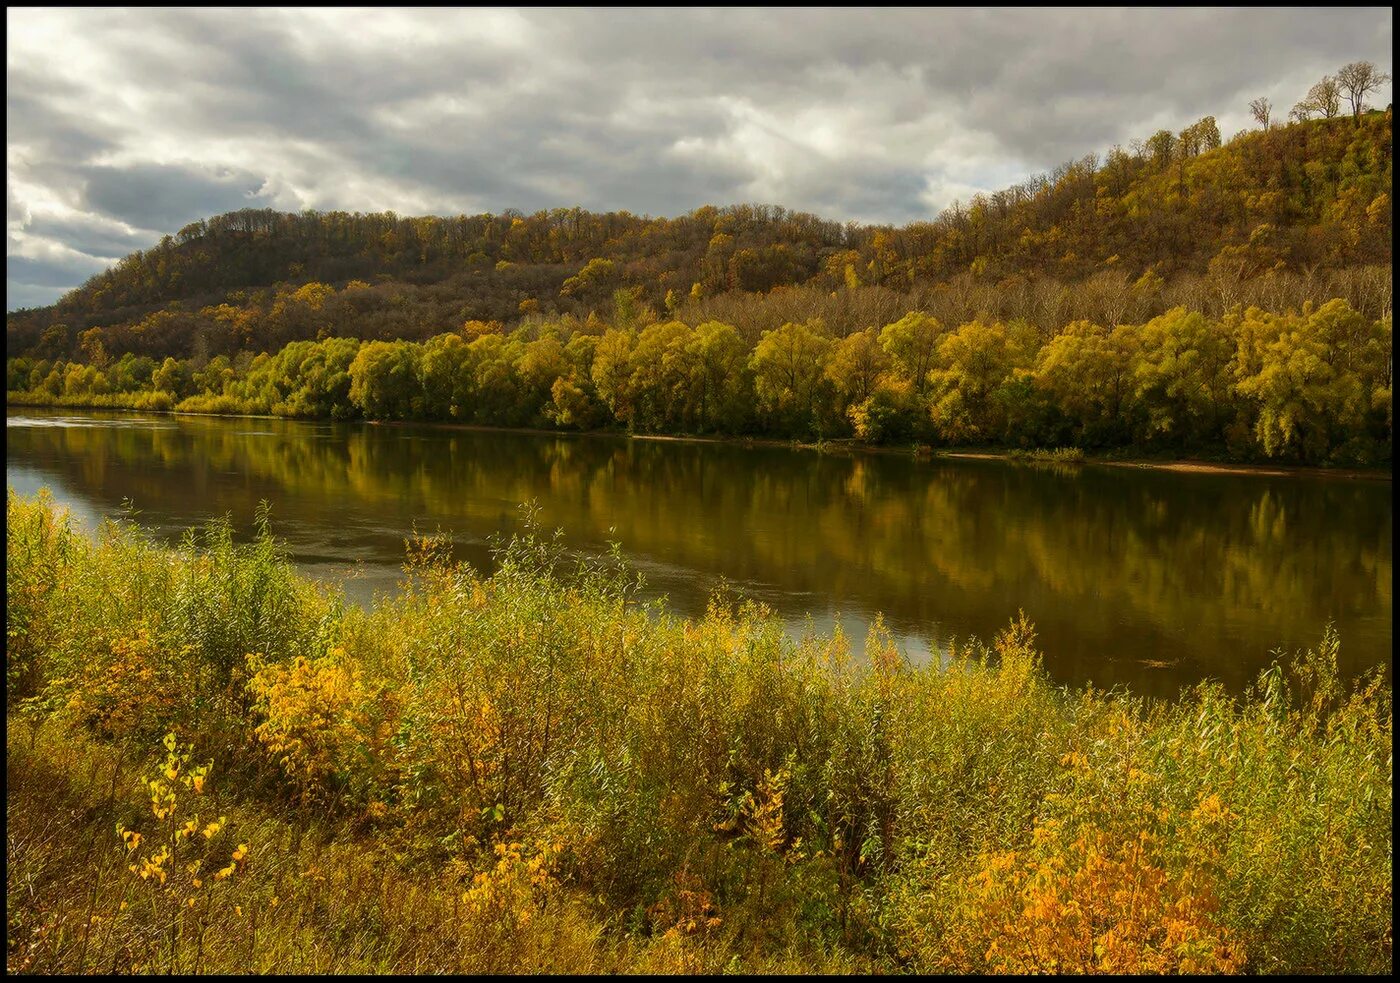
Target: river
(1141,578)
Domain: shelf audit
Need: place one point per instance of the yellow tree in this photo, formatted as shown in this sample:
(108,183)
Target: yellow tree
(855,366)
(971,365)
(788,365)
(911,342)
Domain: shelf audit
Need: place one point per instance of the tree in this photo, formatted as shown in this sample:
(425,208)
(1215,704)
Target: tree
(971,364)
(911,342)
(1087,370)
(1294,368)
(93,342)
(385,380)
(855,366)
(718,373)
(575,404)
(612,372)
(1324,99)
(1260,108)
(789,365)
(172,377)
(1182,375)
(448,377)
(595,280)
(1161,147)
(659,384)
(1357,79)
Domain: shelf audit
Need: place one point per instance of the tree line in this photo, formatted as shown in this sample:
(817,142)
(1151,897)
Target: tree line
(1353,81)
(1311,384)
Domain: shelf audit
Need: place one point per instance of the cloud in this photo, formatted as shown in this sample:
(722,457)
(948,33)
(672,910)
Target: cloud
(39,281)
(125,125)
(167,196)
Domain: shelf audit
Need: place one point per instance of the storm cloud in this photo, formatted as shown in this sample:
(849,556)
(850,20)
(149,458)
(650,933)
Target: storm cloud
(124,126)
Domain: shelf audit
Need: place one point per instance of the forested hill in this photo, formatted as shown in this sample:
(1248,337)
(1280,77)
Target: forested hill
(1292,205)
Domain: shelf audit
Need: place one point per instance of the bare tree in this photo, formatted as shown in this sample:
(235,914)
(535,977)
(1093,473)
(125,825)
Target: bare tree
(1326,96)
(1357,79)
(1324,99)
(1261,108)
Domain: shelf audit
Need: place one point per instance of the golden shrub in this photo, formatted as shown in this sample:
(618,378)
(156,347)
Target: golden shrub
(311,714)
(1088,903)
(130,686)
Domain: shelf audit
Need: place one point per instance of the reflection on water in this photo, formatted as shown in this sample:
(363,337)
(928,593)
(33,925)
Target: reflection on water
(1144,578)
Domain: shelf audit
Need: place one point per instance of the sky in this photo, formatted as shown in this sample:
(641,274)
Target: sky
(125,125)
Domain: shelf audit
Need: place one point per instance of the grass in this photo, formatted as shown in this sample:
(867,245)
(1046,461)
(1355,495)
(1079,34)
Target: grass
(530,773)
(1041,455)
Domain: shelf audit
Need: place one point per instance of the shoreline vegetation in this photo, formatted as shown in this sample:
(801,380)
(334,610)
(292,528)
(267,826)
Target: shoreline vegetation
(1060,455)
(1307,387)
(214,764)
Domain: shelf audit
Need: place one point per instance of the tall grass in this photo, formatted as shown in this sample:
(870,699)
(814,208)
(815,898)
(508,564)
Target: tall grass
(1044,455)
(529,772)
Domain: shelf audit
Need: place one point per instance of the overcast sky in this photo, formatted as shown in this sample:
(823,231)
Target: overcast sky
(124,126)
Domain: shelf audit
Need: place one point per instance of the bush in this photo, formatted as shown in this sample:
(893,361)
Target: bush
(531,772)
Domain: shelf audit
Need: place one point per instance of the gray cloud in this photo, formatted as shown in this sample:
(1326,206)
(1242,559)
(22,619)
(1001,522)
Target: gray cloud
(38,282)
(125,125)
(167,196)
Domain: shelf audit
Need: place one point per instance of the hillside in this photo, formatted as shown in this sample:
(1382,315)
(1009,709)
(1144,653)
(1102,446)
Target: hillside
(1307,202)
(1186,299)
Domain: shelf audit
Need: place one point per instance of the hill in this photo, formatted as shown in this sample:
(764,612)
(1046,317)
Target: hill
(1304,202)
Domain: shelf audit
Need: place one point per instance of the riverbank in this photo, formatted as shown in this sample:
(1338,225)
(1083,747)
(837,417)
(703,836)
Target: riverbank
(524,773)
(842,445)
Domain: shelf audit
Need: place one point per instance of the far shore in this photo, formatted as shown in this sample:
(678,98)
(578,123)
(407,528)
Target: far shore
(846,445)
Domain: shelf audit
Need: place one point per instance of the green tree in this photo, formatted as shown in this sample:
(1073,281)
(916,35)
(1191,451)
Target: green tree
(972,363)
(855,366)
(1087,370)
(1182,376)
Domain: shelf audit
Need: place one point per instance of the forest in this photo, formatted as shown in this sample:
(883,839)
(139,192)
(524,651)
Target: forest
(1226,299)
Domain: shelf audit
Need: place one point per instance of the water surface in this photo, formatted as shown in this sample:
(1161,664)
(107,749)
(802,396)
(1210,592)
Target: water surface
(1135,577)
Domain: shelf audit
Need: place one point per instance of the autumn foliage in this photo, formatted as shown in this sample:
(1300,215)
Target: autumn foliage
(529,772)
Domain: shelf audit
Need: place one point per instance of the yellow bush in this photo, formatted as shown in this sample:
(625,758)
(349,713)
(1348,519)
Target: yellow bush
(502,904)
(687,910)
(130,687)
(313,716)
(1091,904)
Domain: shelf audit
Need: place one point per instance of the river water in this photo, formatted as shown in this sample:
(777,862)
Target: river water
(1142,578)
